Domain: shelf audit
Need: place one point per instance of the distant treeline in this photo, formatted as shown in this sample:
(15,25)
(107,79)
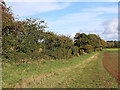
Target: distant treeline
(113,44)
(26,40)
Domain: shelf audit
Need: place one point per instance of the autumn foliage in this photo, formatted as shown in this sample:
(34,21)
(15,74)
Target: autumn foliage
(26,40)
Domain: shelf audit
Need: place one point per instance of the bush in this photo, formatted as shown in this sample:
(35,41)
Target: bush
(89,49)
(81,51)
(74,50)
(98,49)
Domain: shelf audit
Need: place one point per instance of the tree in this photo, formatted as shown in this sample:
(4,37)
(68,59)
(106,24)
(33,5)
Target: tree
(20,38)
(82,41)
(110,44)
(57,46)
(97,42)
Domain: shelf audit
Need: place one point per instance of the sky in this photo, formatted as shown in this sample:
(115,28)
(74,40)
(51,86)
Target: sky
(69,18)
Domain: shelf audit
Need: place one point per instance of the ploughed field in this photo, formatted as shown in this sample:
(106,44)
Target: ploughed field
(110,62)
(86,71)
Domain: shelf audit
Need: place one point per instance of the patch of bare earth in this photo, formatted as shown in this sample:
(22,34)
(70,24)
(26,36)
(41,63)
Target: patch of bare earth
(110,62)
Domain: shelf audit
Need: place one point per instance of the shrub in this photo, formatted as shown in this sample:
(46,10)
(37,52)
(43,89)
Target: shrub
(98,49)
(89,49)
(81,51)
(75,50)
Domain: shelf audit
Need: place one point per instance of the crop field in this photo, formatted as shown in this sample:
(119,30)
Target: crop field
(110,61)
(86,71)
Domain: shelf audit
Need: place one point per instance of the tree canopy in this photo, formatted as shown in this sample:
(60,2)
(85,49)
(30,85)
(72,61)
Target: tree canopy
(26,40)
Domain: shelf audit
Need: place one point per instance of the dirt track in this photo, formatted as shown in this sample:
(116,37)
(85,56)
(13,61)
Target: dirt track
(110,62)
(66,70)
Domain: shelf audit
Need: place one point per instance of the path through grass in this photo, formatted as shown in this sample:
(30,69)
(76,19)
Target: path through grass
(86,71)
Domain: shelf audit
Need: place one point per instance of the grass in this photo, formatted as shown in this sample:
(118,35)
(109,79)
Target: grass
(111,49)
(86,71)
(12,74)
(93,75)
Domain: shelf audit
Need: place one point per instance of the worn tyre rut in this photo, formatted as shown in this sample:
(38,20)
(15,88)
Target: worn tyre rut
(57,78)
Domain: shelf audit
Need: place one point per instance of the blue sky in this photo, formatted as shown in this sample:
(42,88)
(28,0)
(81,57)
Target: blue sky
(69,18)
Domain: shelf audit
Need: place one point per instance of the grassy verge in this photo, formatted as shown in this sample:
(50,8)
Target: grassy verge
(18,73)
(92,76)
(86,71)
(111,49)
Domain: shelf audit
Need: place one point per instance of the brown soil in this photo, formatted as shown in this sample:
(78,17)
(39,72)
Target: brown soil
(110,62)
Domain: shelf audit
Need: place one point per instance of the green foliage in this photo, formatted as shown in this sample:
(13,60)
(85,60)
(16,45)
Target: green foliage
(57,46)
(88,43)
(20,38)
(81,52)
(75,50)
(81,40)
(113,44)
(89,49)
(98,49)
(26,40)
(96,41)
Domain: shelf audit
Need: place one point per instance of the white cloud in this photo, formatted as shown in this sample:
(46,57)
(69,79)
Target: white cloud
(110,29)
(88,19)
(103,9)
(109,36)
(111,26)
(89,23)
(71,23)
(31,8)
(75,18)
